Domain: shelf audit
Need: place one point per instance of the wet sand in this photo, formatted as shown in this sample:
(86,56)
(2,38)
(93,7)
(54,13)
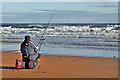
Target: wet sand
(67,67)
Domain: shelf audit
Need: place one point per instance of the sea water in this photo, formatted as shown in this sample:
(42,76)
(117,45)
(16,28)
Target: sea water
(68,50)
(66,40)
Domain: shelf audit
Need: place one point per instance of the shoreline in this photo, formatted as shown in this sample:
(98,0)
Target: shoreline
(105,45)
(46,54)
(68,67)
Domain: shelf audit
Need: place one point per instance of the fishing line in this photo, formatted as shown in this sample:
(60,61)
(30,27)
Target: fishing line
(53,52)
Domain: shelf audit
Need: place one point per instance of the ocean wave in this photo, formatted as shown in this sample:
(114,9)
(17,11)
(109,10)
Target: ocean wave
(110,31)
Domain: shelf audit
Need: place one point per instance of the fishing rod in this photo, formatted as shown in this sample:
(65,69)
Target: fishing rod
(41,39)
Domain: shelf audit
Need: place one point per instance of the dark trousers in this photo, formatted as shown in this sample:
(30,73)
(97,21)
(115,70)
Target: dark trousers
(27,60)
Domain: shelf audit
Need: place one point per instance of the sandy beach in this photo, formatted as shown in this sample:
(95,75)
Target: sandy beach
(67,67)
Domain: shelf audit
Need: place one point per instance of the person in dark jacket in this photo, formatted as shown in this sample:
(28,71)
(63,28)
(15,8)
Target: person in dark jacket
(29,52)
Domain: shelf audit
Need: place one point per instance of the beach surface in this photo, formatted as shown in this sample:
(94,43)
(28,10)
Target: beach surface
(60,67)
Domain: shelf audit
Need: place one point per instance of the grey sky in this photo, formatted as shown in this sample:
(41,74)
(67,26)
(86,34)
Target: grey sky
(65,12)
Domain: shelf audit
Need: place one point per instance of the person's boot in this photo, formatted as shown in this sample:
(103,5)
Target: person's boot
(26,65)
(35,64)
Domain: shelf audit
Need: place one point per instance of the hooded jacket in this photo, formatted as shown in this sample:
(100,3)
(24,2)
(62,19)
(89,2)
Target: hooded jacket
(29,49)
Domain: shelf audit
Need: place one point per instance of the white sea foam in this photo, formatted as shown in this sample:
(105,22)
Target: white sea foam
(64,31)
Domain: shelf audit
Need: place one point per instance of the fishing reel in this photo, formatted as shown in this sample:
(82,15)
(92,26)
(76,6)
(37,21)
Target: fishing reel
(42,39)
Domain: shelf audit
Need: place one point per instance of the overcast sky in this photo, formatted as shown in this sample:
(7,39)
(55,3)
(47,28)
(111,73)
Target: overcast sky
(65,12)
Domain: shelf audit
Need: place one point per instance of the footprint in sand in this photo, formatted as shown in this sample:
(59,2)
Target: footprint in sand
(42,72)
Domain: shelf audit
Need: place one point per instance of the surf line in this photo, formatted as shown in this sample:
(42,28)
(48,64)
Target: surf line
(41,38)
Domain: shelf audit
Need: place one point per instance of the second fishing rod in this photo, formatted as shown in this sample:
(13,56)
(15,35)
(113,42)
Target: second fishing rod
(41,39)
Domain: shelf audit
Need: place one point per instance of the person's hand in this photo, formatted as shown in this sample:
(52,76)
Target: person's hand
(37,47)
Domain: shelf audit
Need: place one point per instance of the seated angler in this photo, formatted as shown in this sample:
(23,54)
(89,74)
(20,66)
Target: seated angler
(29,52)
